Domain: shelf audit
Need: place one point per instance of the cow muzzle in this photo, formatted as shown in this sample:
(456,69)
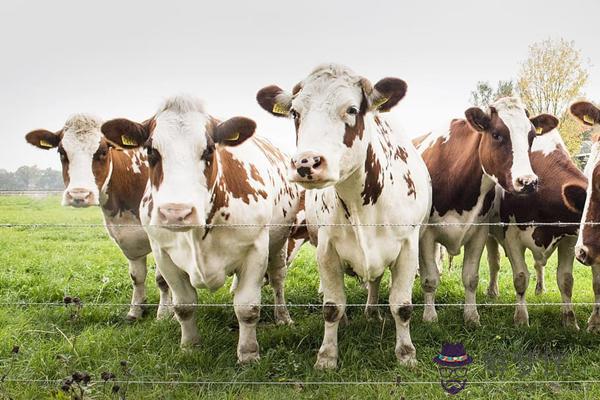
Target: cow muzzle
(177,216)
(525,184)
(80,197)
(582,253)
(310,170)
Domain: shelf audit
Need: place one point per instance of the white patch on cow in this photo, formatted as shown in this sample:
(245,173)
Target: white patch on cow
(548,142)
(81,138)
(103,190)
(433,136)
(512,113)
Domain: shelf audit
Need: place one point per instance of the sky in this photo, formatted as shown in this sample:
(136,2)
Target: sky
(122,58)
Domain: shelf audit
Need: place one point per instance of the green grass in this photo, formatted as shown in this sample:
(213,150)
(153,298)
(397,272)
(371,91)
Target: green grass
(46,263)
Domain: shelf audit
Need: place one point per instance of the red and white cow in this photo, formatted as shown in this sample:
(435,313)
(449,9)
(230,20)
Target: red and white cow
(560,198)
(97,173)
(364,174)
(466,161)
(587,248)
(206,179)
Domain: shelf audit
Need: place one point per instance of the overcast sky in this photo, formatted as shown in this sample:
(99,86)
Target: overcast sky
(121,58)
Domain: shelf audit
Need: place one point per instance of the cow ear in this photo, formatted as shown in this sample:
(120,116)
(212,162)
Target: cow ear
(43,139)
(387,93)
(574,196)
(275,100)
(127,134)
(478,119)
(544,123)
(586,112)
(234,131)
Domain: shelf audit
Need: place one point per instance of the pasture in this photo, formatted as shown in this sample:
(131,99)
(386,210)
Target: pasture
(45,264)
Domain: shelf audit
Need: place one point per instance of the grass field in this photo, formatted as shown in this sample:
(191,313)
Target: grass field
(44,264)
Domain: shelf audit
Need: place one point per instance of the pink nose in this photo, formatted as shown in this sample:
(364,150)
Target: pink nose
(309,166)
(79,197)
(177,214)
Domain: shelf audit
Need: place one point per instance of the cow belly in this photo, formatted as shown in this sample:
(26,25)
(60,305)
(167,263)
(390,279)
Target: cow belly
(127,232)
(526,237)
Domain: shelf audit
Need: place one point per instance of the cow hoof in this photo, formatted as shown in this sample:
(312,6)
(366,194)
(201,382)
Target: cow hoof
(133,316)
(326,362)
(521,318)
(344,320)
(373,314)
(247,358)
(284,320)
(472,319)
(569,320)
(539,288)
(407,355)
(430,315)
(493,292)
(164,312)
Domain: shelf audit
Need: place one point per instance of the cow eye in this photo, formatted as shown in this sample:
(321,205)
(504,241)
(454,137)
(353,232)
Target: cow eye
(100,154)
(352,110)
(497,137)
(63,155)
(153,156)
(294,114)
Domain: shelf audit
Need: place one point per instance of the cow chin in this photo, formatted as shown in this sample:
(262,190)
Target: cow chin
(312,181)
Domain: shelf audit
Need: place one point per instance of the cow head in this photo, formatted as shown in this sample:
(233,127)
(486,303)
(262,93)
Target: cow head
(330,109)
(84,154)
(180,141)
(587,249)
(507,135)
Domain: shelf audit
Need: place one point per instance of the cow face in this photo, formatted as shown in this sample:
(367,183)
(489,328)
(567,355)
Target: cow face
(84,154)
(329,109)
(587,249)
(180,141)
(507,135)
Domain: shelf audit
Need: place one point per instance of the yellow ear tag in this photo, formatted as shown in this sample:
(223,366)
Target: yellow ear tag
(128,141)
(588,120)
(234,137)
(44,143)
(379,102)
(538,130)
(280,109)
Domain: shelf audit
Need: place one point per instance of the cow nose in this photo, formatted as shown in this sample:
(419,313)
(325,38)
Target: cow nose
(581,253)
(308,165)
(176,214)
(527,184)
(79,197)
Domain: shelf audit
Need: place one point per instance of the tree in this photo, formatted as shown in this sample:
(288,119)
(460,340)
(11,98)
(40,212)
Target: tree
(484,93)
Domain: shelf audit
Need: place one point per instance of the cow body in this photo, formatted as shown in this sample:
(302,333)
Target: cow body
(97,173)
(360,172)
(559,198)
(466,161)
(202,186)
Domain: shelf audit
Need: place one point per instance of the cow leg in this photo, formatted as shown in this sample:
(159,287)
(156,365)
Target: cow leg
(277,271)
(493,257)
(430,276)
(540,286)
(334,303)
(470,273)
(594,320)
(371,308)
(184,297)
(137,272)
(246,298)
(164,309)
(403,277)
(564,277)
(516,255)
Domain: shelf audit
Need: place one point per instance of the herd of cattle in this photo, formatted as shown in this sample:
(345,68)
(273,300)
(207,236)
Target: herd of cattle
(210,199)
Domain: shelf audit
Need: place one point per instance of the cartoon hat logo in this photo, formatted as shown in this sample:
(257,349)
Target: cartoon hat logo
(453,362)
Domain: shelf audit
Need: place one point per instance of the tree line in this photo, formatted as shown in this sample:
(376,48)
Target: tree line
(31,178)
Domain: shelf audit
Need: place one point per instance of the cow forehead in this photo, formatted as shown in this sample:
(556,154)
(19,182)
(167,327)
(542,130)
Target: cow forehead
(175,132)
(81,134)
(325,88)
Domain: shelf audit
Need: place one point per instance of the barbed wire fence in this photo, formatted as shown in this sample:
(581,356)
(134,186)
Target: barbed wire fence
(398,382)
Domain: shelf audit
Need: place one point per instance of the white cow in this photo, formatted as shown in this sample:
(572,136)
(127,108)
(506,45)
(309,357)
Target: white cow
(363,173)
(206,177)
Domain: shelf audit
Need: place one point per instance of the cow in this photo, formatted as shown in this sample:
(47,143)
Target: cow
(96,173)
(587,248)
(368,191)
(217,203)
(560,198)
(466,160)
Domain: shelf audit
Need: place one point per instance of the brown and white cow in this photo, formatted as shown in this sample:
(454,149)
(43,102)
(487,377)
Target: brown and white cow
(587,248)
(97,173)
(363,174)
(217,204)
(560,198)
(466,161)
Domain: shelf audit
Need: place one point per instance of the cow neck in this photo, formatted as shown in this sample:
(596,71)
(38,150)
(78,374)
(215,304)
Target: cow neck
(123,188)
